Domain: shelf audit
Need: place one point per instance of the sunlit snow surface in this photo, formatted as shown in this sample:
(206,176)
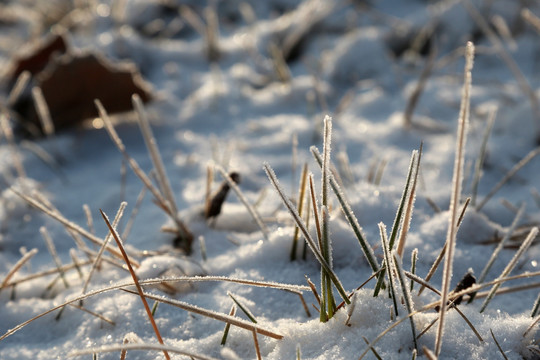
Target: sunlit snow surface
(236,112)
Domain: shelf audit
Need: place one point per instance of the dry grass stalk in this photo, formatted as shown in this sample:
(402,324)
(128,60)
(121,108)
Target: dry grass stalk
(531,19)
(18,265)
(510,266)
(409,206)
(43,112)
(135,346)
(54,254)
(498,345)
(429,354)
(134,212)
(500,246)
(97,259)
(419,89)
(375,353)
(18,88)
(456,193)
(300,203)
(256,344)
(69,225)
(89,218)
(439,258)
(126,284)
(535,321)
(99,316)
(15,155)
(508,60)
(163,201)
(135,280)
(161,175)
(526,159)
(213,314)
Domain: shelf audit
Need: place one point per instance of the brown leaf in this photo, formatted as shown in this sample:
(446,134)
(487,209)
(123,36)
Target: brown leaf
(71,82)
(37,58)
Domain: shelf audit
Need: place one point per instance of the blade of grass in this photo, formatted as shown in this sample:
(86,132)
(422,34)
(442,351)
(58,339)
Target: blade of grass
(300,222)
(375,353)
(481,156)
(531,19)
(498,345)
(18,265)
(125,284)
(406,293)
(390,264)
(351,218)
(510,266)
(161,175)
(411,197)
(439,258)
(43,112)
(300,202)
(536,307)
(135,346)
(326,248)
(228,326)
(526,159)
(456,193)
(54,254)
(244,309)
(5,126)
(213,315)
(499,247)
(17,89)
(89,218)
(535,321)
(398,219)
(419,88)
(162,202)
(134,212)
(414,259)
(68,224)
(97,259)
(256,344)
(135,280)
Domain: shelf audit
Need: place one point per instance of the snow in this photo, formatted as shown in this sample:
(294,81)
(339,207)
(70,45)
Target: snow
(235,113)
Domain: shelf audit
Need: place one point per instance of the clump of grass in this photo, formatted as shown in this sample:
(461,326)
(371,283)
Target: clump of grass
(163,194)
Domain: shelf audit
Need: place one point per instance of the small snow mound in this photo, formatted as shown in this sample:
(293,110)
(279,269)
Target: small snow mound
(476,228)
(165,266)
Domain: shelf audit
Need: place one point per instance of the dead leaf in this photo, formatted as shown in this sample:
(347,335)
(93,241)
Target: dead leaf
(38,57)
(71,82)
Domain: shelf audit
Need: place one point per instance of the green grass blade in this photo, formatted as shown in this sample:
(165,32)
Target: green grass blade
(414,259)
(300,222)
(244,309)
(351,218)
(399,217)
(388,261)
(406,293)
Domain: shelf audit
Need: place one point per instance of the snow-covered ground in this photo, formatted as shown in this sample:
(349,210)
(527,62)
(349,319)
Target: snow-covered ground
(279,68)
